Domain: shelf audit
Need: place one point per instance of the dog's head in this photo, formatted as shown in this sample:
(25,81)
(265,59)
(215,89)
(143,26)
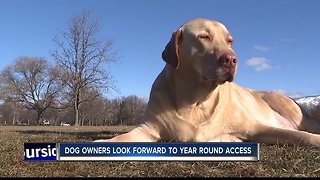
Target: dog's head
(204,47)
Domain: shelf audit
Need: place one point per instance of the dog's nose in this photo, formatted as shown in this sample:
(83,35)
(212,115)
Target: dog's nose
(229,60)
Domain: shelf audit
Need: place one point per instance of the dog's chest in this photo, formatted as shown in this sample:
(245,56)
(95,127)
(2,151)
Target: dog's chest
(196,114)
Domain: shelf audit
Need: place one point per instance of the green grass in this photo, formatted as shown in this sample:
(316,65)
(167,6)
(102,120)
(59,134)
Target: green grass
(275,161)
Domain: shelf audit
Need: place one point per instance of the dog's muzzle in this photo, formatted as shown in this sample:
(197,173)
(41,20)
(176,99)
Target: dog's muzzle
(228,62)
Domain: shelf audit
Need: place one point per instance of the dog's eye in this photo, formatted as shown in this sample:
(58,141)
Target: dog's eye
(205,37)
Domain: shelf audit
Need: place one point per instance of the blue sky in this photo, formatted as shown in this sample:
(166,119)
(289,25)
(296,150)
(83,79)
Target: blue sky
(276,41)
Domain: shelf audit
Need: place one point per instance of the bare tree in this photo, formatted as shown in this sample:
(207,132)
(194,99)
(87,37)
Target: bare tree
(31,82)
(53,115)
(131,110)
(111,111)
(7,112)
(92,112)
(82,56)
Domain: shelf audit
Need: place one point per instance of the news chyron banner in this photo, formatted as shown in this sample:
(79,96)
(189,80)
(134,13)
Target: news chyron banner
(141,151)
(40,151)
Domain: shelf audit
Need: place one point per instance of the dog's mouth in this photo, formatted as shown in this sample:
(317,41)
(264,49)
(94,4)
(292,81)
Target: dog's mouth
(223,75)
(230,78)
(230,75)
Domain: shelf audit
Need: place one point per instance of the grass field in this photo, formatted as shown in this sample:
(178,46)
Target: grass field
(275,161)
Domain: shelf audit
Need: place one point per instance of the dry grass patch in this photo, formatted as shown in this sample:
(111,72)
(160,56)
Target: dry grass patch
(275,161)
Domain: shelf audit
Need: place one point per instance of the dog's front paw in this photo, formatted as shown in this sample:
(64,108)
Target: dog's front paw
(102,140)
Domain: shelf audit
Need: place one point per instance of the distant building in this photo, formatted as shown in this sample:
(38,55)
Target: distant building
(64,124)
(46,122)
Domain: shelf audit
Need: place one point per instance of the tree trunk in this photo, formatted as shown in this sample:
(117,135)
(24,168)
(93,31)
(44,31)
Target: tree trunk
(76,115)
(14,117)
(14,114)
(76,109)
(39,115)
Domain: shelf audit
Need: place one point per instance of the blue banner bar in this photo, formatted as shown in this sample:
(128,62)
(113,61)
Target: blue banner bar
(159,151)
(40,152)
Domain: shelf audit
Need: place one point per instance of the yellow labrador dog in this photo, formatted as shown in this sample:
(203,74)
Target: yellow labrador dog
(194,98)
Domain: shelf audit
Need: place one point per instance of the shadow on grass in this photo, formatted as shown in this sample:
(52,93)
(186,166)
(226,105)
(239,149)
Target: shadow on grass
(89,135)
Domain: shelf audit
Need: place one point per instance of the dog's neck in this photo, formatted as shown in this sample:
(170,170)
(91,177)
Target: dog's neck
(189,90)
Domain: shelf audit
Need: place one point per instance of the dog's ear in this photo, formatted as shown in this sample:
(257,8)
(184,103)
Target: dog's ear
(171,52)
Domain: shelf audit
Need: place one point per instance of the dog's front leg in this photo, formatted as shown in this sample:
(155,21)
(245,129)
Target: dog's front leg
(140,134)
(272,135)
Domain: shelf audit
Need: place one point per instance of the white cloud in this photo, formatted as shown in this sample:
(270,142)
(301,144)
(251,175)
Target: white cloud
(290,94)
(259,63)
(295,94)
(261,48)
(280,91)
(286,39)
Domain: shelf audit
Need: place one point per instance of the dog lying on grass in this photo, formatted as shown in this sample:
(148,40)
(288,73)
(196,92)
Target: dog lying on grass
(194,98)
